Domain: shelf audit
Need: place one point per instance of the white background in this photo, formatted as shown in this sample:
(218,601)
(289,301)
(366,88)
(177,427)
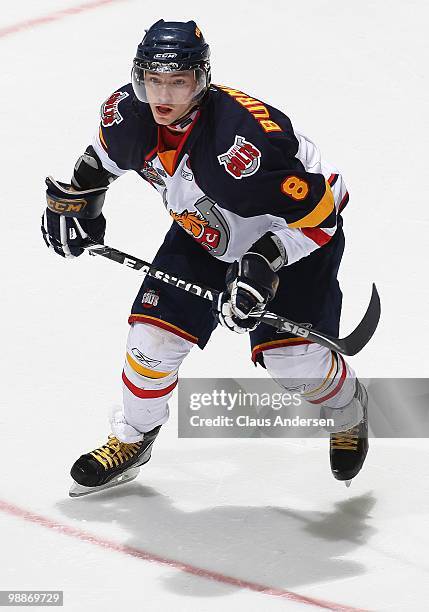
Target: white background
(351,76)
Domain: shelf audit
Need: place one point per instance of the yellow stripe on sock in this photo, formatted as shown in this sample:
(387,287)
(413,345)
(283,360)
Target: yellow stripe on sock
(137,367)
(314,391)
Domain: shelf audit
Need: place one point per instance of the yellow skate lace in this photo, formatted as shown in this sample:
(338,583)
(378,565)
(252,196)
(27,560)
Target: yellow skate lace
(114,453)
(345,440)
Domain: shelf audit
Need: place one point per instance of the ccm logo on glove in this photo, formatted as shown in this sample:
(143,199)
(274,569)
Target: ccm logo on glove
(62,206)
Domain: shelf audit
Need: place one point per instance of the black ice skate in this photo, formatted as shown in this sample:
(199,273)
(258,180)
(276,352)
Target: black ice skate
(110,465)
(348,449)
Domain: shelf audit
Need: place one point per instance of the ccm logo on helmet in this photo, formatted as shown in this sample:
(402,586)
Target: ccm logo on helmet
(165,55)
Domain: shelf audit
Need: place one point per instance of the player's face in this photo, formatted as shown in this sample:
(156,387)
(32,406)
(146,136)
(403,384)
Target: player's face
(170,95)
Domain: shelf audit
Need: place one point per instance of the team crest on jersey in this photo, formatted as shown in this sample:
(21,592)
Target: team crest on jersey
(206,225)
(109,111)
(242,159)
(150,298)
(193,222)
(153,174)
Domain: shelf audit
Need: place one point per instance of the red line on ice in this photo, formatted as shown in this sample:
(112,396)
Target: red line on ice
(63,529)
(55,16)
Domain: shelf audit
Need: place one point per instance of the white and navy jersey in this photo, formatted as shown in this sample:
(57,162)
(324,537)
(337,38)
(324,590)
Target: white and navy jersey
(239,171)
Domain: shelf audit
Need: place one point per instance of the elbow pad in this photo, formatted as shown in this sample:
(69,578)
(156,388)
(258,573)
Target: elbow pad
(89,172)
(272,249)
(63,199)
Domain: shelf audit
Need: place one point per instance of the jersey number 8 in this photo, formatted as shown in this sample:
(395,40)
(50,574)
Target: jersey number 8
(294,187)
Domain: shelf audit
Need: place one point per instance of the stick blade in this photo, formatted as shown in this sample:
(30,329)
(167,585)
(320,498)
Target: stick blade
(354,342)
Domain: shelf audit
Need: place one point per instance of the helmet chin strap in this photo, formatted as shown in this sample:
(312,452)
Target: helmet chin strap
(183,123)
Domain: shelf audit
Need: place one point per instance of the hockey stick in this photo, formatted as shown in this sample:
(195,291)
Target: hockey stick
(350,345)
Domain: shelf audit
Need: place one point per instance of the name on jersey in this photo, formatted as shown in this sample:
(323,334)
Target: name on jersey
(109,110)
(242,159)
(255,107)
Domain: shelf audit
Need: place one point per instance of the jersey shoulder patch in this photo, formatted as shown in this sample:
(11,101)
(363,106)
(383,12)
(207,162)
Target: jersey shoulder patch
(109,112)
(117,108)
(250,163)
(126,125)
(248,135)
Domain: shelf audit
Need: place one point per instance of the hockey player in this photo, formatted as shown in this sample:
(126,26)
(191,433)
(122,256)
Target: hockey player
(255,212)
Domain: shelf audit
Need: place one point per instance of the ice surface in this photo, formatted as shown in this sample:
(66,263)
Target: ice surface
(351,76)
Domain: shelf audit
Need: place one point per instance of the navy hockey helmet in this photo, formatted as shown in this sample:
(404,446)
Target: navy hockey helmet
(171,47)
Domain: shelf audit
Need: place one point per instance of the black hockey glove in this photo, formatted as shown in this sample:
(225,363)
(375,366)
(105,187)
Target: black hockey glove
(71,217)
(251,283)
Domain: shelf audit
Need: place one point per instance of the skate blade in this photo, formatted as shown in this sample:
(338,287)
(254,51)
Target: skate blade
(77,490)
